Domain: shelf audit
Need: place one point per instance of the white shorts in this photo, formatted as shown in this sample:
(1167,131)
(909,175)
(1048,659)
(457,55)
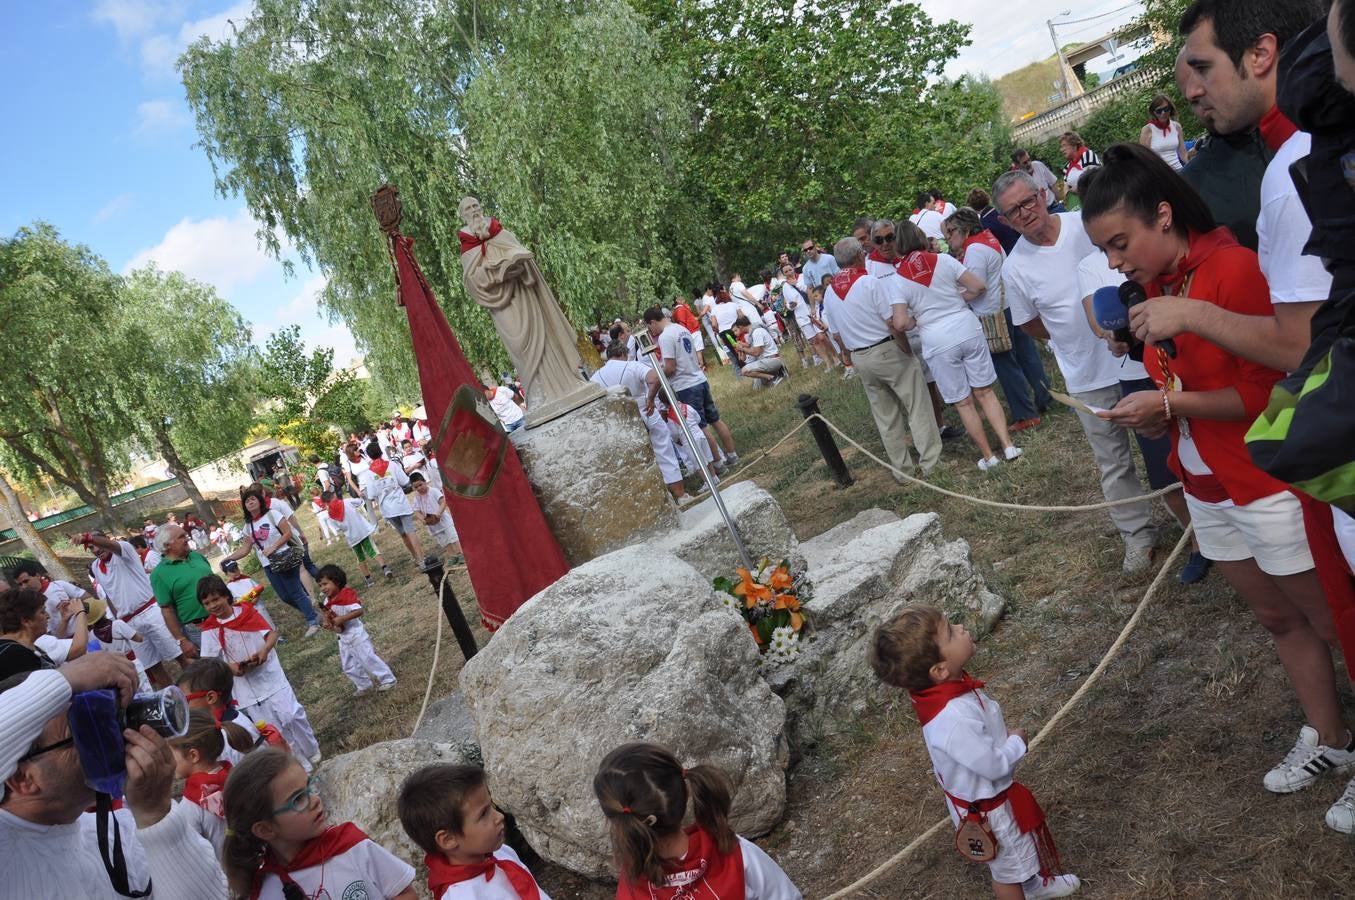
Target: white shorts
(1017,859)
(808,329)
(156,644)
(916,343)
(1270,530)
(962,368)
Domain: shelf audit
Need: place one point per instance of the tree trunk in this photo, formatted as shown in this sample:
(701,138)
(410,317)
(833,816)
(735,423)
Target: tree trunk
(65,473)
(41,551)
(176,466)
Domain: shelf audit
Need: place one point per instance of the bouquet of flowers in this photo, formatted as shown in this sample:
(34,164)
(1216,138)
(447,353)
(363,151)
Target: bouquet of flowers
(769,601)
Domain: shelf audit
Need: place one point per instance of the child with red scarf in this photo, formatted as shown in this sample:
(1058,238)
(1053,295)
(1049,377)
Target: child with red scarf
(351,522)
(447,811)
(645,792)
(1156,229)
(280,846)
(974,754)
(245,641)
(357,656)
(197,760)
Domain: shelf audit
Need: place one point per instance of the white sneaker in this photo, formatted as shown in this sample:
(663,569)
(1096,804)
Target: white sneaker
(1137,558)
(312,630)
(1012,453)
(848,373)
(1058,886)
(1306,760)
(386,687)
(1341,815)
(991,462)
(731,459)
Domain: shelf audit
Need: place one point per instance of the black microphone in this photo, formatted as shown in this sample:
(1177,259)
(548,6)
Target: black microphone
(1131,295)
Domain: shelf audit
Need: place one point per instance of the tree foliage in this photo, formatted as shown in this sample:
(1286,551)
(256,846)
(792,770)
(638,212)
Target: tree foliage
(350,404)
(290,377)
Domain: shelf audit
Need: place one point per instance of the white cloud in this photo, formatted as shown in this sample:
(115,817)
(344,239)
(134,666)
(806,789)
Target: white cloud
(222,251)
(304,310)
(156,116)
(113,208)
(134,18)
(160,51)
(304,305)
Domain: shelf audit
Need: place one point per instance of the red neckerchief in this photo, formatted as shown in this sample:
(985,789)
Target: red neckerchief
(1202,246)
(919,266)
(247,619)
(317,851)
(103,564)
(470,241)
(442,875)
(199,786)
(345,597)
(986,238)
(45,582)
(876,256)
(1166,129)
(337,508)
(702,864)
(379,467)
(1275,128)
(929,703)
(842,282)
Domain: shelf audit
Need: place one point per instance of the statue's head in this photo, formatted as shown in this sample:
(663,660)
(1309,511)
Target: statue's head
(470,211)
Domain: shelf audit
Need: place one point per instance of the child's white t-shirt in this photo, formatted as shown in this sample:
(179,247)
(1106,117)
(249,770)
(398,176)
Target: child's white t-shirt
(496,888)
(353,630)
(354,525)
(387,490)
(241,588)
(228,753)
(256,684)
(366,870)
(428,505)
(972,754)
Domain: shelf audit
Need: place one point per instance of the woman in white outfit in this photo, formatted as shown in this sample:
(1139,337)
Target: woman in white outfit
(1163,135)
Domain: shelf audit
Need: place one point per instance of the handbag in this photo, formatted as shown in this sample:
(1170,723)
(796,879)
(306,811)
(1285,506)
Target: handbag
(974,840)
(288,559)
(995,328)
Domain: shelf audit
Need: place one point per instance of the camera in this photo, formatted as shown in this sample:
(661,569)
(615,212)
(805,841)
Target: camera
(97,722)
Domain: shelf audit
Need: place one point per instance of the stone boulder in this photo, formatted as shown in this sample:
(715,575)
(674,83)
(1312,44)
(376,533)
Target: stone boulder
(448,721)
(631,646)
(703,541)
(863,572)
(362,787)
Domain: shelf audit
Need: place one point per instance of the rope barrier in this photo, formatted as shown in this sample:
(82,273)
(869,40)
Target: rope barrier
(1049,726)
(437,648)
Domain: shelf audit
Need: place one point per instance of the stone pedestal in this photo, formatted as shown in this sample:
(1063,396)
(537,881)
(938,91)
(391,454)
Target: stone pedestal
(539,414)
(595,476)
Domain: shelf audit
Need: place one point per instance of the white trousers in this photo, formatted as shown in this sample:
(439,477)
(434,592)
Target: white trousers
(157,644)
(360,663)
(327,530)
(662,443)
(284,712)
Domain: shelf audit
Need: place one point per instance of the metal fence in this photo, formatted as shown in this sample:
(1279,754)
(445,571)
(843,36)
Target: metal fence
(68,515)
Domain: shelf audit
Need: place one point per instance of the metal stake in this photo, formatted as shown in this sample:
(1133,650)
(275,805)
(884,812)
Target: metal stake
(451,608)
(809,406)
(646,347)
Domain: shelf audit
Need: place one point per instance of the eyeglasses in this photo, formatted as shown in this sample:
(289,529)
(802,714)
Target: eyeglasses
(66,742)
(1159,110)
(883,238)
(807,248)
(301,800)
(1026,206)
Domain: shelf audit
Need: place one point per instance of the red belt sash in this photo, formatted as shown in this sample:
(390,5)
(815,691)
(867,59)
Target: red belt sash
(1030,819)
(139,610)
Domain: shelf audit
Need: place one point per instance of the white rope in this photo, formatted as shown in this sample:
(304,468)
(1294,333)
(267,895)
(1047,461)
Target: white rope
(437,647)
(1048,726)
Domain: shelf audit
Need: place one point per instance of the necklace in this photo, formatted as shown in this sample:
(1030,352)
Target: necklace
(1172,382)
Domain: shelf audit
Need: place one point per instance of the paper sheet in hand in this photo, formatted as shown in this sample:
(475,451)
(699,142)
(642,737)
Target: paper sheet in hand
(1076,404)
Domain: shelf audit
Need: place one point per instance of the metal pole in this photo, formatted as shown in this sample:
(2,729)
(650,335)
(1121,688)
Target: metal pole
(1063,63)
(809,406)
(645,345)
(452,610)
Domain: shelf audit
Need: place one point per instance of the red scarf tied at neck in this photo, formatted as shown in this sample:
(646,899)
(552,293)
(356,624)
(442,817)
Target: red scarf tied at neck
(442,875)
(986,238)
(1201,247)
(247,618)
(1165,129)
(336,840)
(337,508)
(379,467)
(919,266)
(1275,128)
(929,703)
(470,241)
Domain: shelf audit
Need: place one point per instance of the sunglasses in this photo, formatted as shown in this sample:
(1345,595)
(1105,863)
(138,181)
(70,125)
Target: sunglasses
(1159,110)
(880,239)
(301,800)
(807,249)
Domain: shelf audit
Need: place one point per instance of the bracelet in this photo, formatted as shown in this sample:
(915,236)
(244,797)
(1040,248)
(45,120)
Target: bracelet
(1166,406)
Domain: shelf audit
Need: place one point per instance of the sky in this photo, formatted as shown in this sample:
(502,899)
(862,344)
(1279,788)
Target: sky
(102,140)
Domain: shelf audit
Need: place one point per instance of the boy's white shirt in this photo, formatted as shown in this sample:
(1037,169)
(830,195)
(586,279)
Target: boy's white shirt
(387,490)
(354,526)
(496,888)
(354,631)
(972,754)
(256,684)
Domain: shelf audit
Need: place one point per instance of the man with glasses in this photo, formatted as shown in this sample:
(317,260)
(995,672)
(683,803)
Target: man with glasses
(1040,277)
(51,844)
(1041,175)
(816,264)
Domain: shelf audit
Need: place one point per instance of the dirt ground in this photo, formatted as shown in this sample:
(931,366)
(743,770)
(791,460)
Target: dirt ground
(1152,784)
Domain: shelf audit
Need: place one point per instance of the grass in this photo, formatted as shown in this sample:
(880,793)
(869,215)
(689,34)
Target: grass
(1152,785)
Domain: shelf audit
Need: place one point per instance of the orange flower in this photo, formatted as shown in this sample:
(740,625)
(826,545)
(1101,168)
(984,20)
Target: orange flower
(757,638)
(781,579)
(797,621)
(786,600)
(750,590)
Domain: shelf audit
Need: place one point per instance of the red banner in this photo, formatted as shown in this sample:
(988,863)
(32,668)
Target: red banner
(509,549)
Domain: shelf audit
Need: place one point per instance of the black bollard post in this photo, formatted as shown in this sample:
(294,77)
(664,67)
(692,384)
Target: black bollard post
(809,406)
(432,567)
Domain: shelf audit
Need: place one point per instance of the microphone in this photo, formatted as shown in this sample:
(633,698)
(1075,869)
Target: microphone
(1111,314)
(1131,295)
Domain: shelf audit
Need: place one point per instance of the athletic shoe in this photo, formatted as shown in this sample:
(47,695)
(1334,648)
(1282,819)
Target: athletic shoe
(778,379)
(362,690)
(848,373)
(1012,453)
(1023,424)
(1137,558)
(1306,760)
(1195,569)
(1341,815)
(382,688)
(369,581)
(386,570)
(731,459)
(718,468)
(312,629)
(950,432)
(991,462)
(1058,886)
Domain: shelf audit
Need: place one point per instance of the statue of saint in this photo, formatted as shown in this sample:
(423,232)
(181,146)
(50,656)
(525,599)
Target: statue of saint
(501,275)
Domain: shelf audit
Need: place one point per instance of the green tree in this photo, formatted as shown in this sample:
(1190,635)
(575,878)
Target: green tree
(290,378)
(190,358)
(28,535)
(349,403)
(66,410)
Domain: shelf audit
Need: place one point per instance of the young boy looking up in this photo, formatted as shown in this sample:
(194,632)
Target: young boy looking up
(447,811)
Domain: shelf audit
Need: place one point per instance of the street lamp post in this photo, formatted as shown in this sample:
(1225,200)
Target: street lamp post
(1058,51)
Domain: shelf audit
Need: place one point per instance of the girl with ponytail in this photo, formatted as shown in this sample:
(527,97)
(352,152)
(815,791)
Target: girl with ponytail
(645,792)
(279,844)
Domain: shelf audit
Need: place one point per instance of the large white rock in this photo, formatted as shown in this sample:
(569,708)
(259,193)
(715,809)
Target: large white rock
(362,787)
(863,572)
(703,540)
(631,646)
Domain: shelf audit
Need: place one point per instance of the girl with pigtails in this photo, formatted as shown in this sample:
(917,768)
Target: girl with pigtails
(644,793)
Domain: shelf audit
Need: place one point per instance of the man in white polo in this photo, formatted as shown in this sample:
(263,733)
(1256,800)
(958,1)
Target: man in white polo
(119,571)
(638,378)
(1040,277)
(871,325)
(762,358)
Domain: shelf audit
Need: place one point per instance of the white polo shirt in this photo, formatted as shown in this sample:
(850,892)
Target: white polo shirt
(857,309)
(1283,227)
(123,579)
(675,343)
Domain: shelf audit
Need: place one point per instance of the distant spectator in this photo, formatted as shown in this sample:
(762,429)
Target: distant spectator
(1044,179)
(1163,134)
(1080,157)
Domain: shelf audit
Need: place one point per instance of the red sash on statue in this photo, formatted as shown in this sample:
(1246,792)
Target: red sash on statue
(703,865)
(471,241)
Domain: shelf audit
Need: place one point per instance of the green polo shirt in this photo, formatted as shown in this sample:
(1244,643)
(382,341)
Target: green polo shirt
(175,582)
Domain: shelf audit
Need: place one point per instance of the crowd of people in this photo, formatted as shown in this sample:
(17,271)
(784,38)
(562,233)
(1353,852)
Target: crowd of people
(1217,303)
